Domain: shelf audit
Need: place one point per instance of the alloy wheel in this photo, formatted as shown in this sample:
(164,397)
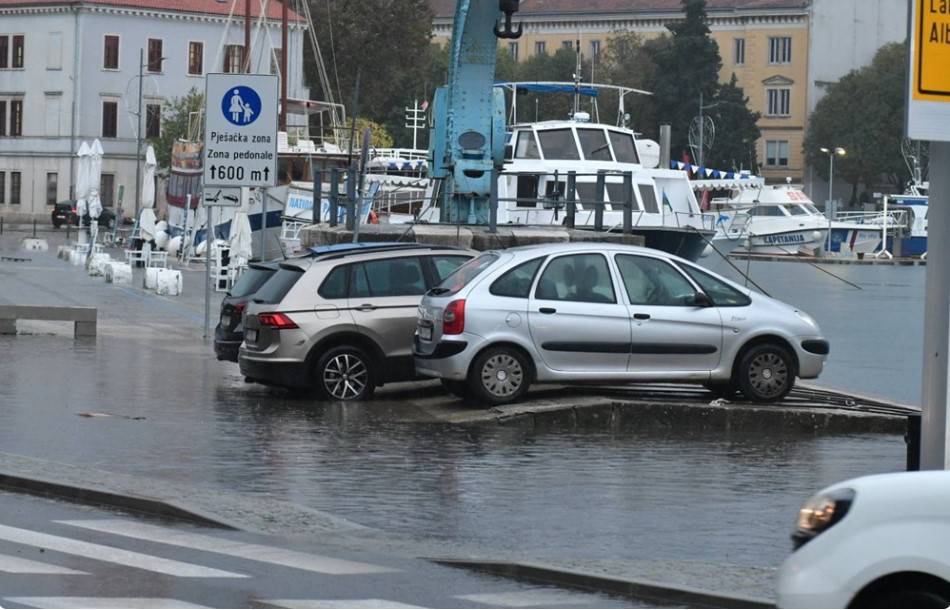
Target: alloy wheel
(502,375)
(768,374)
(345,377)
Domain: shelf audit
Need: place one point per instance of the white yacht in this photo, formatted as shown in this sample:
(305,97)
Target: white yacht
(777,219)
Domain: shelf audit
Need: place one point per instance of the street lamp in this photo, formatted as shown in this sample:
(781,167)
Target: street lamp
(138,136)
(837,152)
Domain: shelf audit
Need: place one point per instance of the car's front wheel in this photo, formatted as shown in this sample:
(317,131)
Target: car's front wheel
(499,375)
(766,373)
(345,373)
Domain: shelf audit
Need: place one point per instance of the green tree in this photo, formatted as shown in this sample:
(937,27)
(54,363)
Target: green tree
(180,120)
(687,65)
(629,62)
(737,130)
(358,36)
(863,113)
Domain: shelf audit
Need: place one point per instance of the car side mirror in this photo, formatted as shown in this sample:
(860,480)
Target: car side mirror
(701,299)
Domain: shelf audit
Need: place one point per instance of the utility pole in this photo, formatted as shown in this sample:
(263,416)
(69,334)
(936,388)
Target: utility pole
(415,120)
(283,65)
(702,125)
(247,36)
(138,141)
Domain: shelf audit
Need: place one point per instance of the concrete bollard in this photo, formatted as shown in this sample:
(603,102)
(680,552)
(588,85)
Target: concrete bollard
(77,259)
(169,283)
(97,264)
(118,273)
(33,244)
(62,252)
(151,278)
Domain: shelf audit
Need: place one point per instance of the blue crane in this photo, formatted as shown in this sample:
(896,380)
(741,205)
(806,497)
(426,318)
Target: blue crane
(467,142)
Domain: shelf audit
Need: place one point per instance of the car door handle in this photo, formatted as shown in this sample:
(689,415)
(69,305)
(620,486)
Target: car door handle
(548,310)
(641,316)
(366,307)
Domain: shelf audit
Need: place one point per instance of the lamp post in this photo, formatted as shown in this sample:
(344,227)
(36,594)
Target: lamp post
(832,153)
(138,136)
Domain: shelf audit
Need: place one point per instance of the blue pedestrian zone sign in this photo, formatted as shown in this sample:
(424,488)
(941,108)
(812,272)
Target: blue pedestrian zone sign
(241,105)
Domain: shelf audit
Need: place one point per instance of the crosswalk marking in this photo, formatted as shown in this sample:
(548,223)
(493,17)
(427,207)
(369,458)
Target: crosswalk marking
(543,598)
(102,602)
(222,546)
(18,565)
(111,554)
(358,604)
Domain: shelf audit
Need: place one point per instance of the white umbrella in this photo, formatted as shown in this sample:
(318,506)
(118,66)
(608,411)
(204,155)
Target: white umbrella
(95,177)
(147,216)
(240,236)
(82,178)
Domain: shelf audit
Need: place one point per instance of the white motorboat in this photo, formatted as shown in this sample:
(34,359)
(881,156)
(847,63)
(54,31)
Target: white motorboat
(777,220)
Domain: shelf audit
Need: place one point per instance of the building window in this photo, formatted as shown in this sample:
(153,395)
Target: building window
(233,58)
(776,153)
(3,187)
(540,48)
(780,50)
(110,119)
(154,55)
(15,183)
(4,51)
(595,48)
(513,50)
(275,61)
(106,190)
(153,120)
(196,55)
(568,44)
(110,53)
(17,60)
(779,102)
(3,117)
(16,118)
(52,188)
(740,52)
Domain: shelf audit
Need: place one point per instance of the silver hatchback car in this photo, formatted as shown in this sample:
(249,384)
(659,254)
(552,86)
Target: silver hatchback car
(599,312)
(340,321)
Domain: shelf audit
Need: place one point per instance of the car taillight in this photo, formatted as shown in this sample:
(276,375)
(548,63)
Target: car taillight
(239,307)
(453,318)
(276,320)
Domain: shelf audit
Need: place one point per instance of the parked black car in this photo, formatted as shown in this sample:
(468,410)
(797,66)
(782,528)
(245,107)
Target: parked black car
(65,211)
(229,333)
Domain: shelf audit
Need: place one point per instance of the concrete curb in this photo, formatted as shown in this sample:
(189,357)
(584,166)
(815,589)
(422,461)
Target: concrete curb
(101,497)
(640,590)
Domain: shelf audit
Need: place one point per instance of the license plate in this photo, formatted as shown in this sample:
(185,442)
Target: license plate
(251,336)
(425,333)
(225,321)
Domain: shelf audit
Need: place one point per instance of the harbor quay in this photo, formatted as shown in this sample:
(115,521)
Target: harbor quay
(415,473)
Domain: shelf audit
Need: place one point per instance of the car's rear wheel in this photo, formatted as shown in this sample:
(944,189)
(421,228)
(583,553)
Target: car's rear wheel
(345,373)
(499,375)
(458,389)
(766,373)
(913,598)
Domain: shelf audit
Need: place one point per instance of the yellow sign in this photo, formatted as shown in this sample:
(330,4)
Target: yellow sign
(932,45)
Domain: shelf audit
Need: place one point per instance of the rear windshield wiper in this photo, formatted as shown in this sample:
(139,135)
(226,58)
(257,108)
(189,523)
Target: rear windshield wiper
(437,291)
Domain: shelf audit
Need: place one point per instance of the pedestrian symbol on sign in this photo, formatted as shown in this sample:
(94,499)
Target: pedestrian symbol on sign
(241,105)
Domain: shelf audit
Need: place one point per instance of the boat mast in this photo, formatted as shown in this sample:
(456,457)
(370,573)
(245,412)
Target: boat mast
(283,65)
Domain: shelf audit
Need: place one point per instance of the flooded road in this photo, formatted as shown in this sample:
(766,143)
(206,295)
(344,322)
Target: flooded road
(176,413)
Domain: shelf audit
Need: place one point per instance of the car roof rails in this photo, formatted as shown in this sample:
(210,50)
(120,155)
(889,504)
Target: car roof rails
(342,250)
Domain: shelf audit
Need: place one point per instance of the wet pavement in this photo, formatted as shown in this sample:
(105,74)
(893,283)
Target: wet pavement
(586,497)
(58,555)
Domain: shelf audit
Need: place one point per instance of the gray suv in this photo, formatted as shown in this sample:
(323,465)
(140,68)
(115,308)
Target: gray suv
(600,312)
(341,323)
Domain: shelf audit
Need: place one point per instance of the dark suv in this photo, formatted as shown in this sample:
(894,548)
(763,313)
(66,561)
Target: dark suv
(229,333)
(65,212)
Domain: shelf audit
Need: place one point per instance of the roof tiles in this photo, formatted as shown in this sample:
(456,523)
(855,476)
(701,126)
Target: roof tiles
(207,7)
(446,8)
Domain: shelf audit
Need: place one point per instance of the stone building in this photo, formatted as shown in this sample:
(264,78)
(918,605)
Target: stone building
(69,71)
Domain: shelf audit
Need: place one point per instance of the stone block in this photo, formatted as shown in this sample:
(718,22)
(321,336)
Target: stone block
(84,329)
(34,244)
(7,327)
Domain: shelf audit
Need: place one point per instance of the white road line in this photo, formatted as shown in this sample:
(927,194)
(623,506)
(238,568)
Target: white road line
(358,604)
(110,554)
(101,602)
(221,546)
(543,598)
(18,565)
